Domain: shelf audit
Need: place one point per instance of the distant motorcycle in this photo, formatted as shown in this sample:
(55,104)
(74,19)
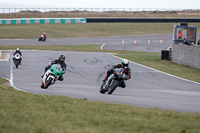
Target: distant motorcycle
(42,38)
(114,80)
(17,59)
(51,76)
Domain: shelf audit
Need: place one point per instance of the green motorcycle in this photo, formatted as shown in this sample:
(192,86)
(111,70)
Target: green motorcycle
(51,76)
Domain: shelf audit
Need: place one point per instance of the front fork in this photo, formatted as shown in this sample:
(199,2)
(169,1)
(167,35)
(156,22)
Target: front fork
(109,81)
(47,75)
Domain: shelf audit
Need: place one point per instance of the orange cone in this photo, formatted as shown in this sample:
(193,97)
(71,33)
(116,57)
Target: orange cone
(123,42)
(149,42)
(134,42)
(160,41)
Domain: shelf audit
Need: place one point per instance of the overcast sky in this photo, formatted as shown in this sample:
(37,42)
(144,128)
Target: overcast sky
(175,4)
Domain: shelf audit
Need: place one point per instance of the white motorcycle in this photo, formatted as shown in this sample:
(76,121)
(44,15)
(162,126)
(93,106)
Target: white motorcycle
(51,76)
(42,38)
(17,59)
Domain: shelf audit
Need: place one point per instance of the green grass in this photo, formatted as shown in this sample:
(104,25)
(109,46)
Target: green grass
(2,81)
(151,59)
(154,61)
(25,112)
(33,31)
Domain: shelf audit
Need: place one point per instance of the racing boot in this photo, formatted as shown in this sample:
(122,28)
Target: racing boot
(42,75)
(104,80)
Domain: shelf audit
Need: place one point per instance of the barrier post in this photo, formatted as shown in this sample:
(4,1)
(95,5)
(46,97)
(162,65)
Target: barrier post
(122,42)
(149,42)
(134,42)
(161,41)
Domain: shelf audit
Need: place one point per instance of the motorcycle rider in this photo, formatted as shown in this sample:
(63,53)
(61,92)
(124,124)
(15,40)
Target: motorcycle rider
(18,52)
(44,35)
(60,61)
(124,64)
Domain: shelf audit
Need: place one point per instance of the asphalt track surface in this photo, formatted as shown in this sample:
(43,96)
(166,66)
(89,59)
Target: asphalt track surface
(114,43)
(146,88)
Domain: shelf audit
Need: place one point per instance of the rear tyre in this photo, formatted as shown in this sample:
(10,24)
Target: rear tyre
(17,65)
(48,83)
(113,86)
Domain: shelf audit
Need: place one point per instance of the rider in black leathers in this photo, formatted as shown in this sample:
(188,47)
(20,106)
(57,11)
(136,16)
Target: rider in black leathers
(124,64)
(60,61)
(18,52)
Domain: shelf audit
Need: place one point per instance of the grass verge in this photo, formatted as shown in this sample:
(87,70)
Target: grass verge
(33,31)
(149,59)
(154,61)
(25,112)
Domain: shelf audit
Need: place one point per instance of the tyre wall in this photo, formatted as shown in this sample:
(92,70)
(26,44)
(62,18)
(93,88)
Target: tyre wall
(142,20)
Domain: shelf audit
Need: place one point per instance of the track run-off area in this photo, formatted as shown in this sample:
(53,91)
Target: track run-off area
(85,71)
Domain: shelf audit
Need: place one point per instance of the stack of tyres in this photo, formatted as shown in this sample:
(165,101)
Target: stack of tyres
(164,55)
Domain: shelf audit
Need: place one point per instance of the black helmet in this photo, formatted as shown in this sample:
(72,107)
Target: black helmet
(62,58)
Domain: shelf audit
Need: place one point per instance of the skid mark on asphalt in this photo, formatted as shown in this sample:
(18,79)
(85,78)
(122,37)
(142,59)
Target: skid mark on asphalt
(49,58)
(92,61)
(72,70)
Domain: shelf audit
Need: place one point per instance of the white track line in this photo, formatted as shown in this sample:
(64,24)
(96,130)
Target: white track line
(102,46)
(11,71)
(160,71)
(11,74)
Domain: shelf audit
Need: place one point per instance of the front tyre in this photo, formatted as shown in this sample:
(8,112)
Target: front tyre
(113,86)
(102,90)
(48,83)
(42,85)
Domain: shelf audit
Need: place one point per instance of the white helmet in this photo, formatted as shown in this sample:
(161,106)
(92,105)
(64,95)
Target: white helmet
(17,49)
(125,62)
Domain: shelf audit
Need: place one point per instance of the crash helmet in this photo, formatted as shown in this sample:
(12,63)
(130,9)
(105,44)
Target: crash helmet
(17,49)
(62,58)
(125,62)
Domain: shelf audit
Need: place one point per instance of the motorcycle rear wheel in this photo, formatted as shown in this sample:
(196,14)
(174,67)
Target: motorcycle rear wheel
(16,65)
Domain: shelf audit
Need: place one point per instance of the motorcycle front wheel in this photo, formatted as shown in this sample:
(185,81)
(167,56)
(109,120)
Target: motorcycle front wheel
(42,85)
(48,83)
(113,86)
(102,90)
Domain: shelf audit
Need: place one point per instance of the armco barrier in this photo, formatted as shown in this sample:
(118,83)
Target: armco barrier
(142,20)
(42,20)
